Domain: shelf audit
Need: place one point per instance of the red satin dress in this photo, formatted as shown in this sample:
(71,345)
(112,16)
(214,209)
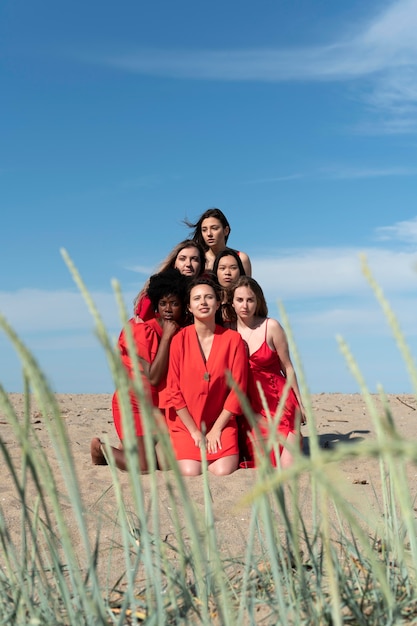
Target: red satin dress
(265,368)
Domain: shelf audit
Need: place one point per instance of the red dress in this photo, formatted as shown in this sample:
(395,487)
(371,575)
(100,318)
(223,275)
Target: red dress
(146,338)
(201,386)
(265,367)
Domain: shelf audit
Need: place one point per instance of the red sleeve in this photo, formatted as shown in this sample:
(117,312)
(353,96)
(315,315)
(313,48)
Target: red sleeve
(144,308)
(147,342)
(239,372)
(173,392)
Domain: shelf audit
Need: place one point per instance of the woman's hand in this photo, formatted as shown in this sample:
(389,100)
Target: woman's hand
(213,439)
(198,438)
(302,415)
(169,328)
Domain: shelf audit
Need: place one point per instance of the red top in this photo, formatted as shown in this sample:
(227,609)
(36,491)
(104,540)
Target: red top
(201,386)
(144,308)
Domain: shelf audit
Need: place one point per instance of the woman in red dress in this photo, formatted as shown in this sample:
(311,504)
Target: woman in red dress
(270,365)
(205,406)
(166,291)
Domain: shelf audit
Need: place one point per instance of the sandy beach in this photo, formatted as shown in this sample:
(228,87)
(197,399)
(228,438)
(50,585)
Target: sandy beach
(340,418)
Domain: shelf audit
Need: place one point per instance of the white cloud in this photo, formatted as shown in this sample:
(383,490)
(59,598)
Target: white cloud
(361,318)
(403,231)
(294,275)
(141,269)
(333,272)
(38,311)
(382,50)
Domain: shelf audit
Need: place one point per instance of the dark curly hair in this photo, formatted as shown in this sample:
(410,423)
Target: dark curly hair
(170,282)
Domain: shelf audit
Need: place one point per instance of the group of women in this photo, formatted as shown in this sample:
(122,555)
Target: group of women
(203,342)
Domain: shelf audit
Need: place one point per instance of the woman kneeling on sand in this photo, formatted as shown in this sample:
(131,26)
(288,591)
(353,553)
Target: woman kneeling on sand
(152,340)
(197,388)
(269,365)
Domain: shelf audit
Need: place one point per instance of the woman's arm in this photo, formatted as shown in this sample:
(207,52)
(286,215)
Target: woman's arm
(213,437)
(277,337)
(191,426)
(239,374)
(159,366)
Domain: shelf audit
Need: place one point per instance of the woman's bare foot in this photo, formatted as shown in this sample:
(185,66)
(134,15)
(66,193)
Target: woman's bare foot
(97,455)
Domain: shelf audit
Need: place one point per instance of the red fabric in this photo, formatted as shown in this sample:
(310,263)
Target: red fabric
(265,367)
(205,396)
(146,338)
(144,308)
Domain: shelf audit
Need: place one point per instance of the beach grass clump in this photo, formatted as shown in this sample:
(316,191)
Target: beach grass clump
(64,561)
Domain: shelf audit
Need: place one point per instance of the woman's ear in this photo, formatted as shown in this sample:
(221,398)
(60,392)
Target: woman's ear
(226,231)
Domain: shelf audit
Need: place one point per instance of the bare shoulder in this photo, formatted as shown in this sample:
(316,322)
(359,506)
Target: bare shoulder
(275,329)
(274,324)
(246,263)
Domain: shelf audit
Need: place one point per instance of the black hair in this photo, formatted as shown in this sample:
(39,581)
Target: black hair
(228,252)
(170,282)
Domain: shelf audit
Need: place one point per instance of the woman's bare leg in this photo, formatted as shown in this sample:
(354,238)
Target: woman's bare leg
(97,454)
(98,457)
(189,467)
(225,465)
(286,458)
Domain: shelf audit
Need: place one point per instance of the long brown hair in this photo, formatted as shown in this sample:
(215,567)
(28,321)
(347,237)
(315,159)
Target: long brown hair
(197,235)
(249,282)
(169,262)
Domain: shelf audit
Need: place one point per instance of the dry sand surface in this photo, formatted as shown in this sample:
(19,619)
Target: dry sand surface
(339,418)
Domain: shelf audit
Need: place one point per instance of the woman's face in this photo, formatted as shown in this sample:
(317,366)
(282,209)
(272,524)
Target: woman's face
(188,261)
(227,270)
(203,302)
(170,308)
(244,303)
(214,234)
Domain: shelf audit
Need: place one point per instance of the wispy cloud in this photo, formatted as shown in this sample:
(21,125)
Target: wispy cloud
(32,311)
(141,269)
(347,173)
(274,179)
(141,181)
(356,319)
(333,272)
(341,172)
(381,53)
(403,231)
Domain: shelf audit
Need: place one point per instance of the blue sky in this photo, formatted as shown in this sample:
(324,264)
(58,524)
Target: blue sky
(297,119)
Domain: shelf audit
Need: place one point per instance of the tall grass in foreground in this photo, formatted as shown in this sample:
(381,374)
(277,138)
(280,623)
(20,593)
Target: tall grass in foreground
(332,567)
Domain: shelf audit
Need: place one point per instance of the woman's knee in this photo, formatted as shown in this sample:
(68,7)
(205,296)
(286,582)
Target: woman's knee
(189,467)
(224,466)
